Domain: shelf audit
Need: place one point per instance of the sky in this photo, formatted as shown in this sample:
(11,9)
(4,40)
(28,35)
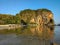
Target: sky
(15,6)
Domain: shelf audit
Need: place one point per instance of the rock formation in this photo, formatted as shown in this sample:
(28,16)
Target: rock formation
(45,16)
(40,16)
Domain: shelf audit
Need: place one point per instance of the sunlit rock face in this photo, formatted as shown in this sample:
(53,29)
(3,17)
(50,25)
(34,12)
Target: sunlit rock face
(45,16)
(40,16)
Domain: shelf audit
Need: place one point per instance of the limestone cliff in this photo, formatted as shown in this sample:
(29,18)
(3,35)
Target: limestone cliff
(40,16)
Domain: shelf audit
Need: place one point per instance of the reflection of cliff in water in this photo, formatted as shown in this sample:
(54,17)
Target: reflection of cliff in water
(40,35)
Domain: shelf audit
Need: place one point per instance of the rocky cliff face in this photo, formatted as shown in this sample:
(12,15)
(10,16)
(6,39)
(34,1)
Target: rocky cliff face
(44,17)
(40,16)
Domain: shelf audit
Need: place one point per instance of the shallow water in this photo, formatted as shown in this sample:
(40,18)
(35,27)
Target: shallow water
(40,35)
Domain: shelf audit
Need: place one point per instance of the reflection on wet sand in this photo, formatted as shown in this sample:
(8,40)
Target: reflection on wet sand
(39,35)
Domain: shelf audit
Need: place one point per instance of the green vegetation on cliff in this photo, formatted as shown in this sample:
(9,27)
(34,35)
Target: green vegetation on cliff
(7,19)
(27,16)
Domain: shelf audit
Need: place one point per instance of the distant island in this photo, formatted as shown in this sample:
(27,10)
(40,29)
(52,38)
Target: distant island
(57,25)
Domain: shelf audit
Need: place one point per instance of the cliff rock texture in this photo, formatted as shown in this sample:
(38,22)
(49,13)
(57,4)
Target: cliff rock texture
(40,16)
